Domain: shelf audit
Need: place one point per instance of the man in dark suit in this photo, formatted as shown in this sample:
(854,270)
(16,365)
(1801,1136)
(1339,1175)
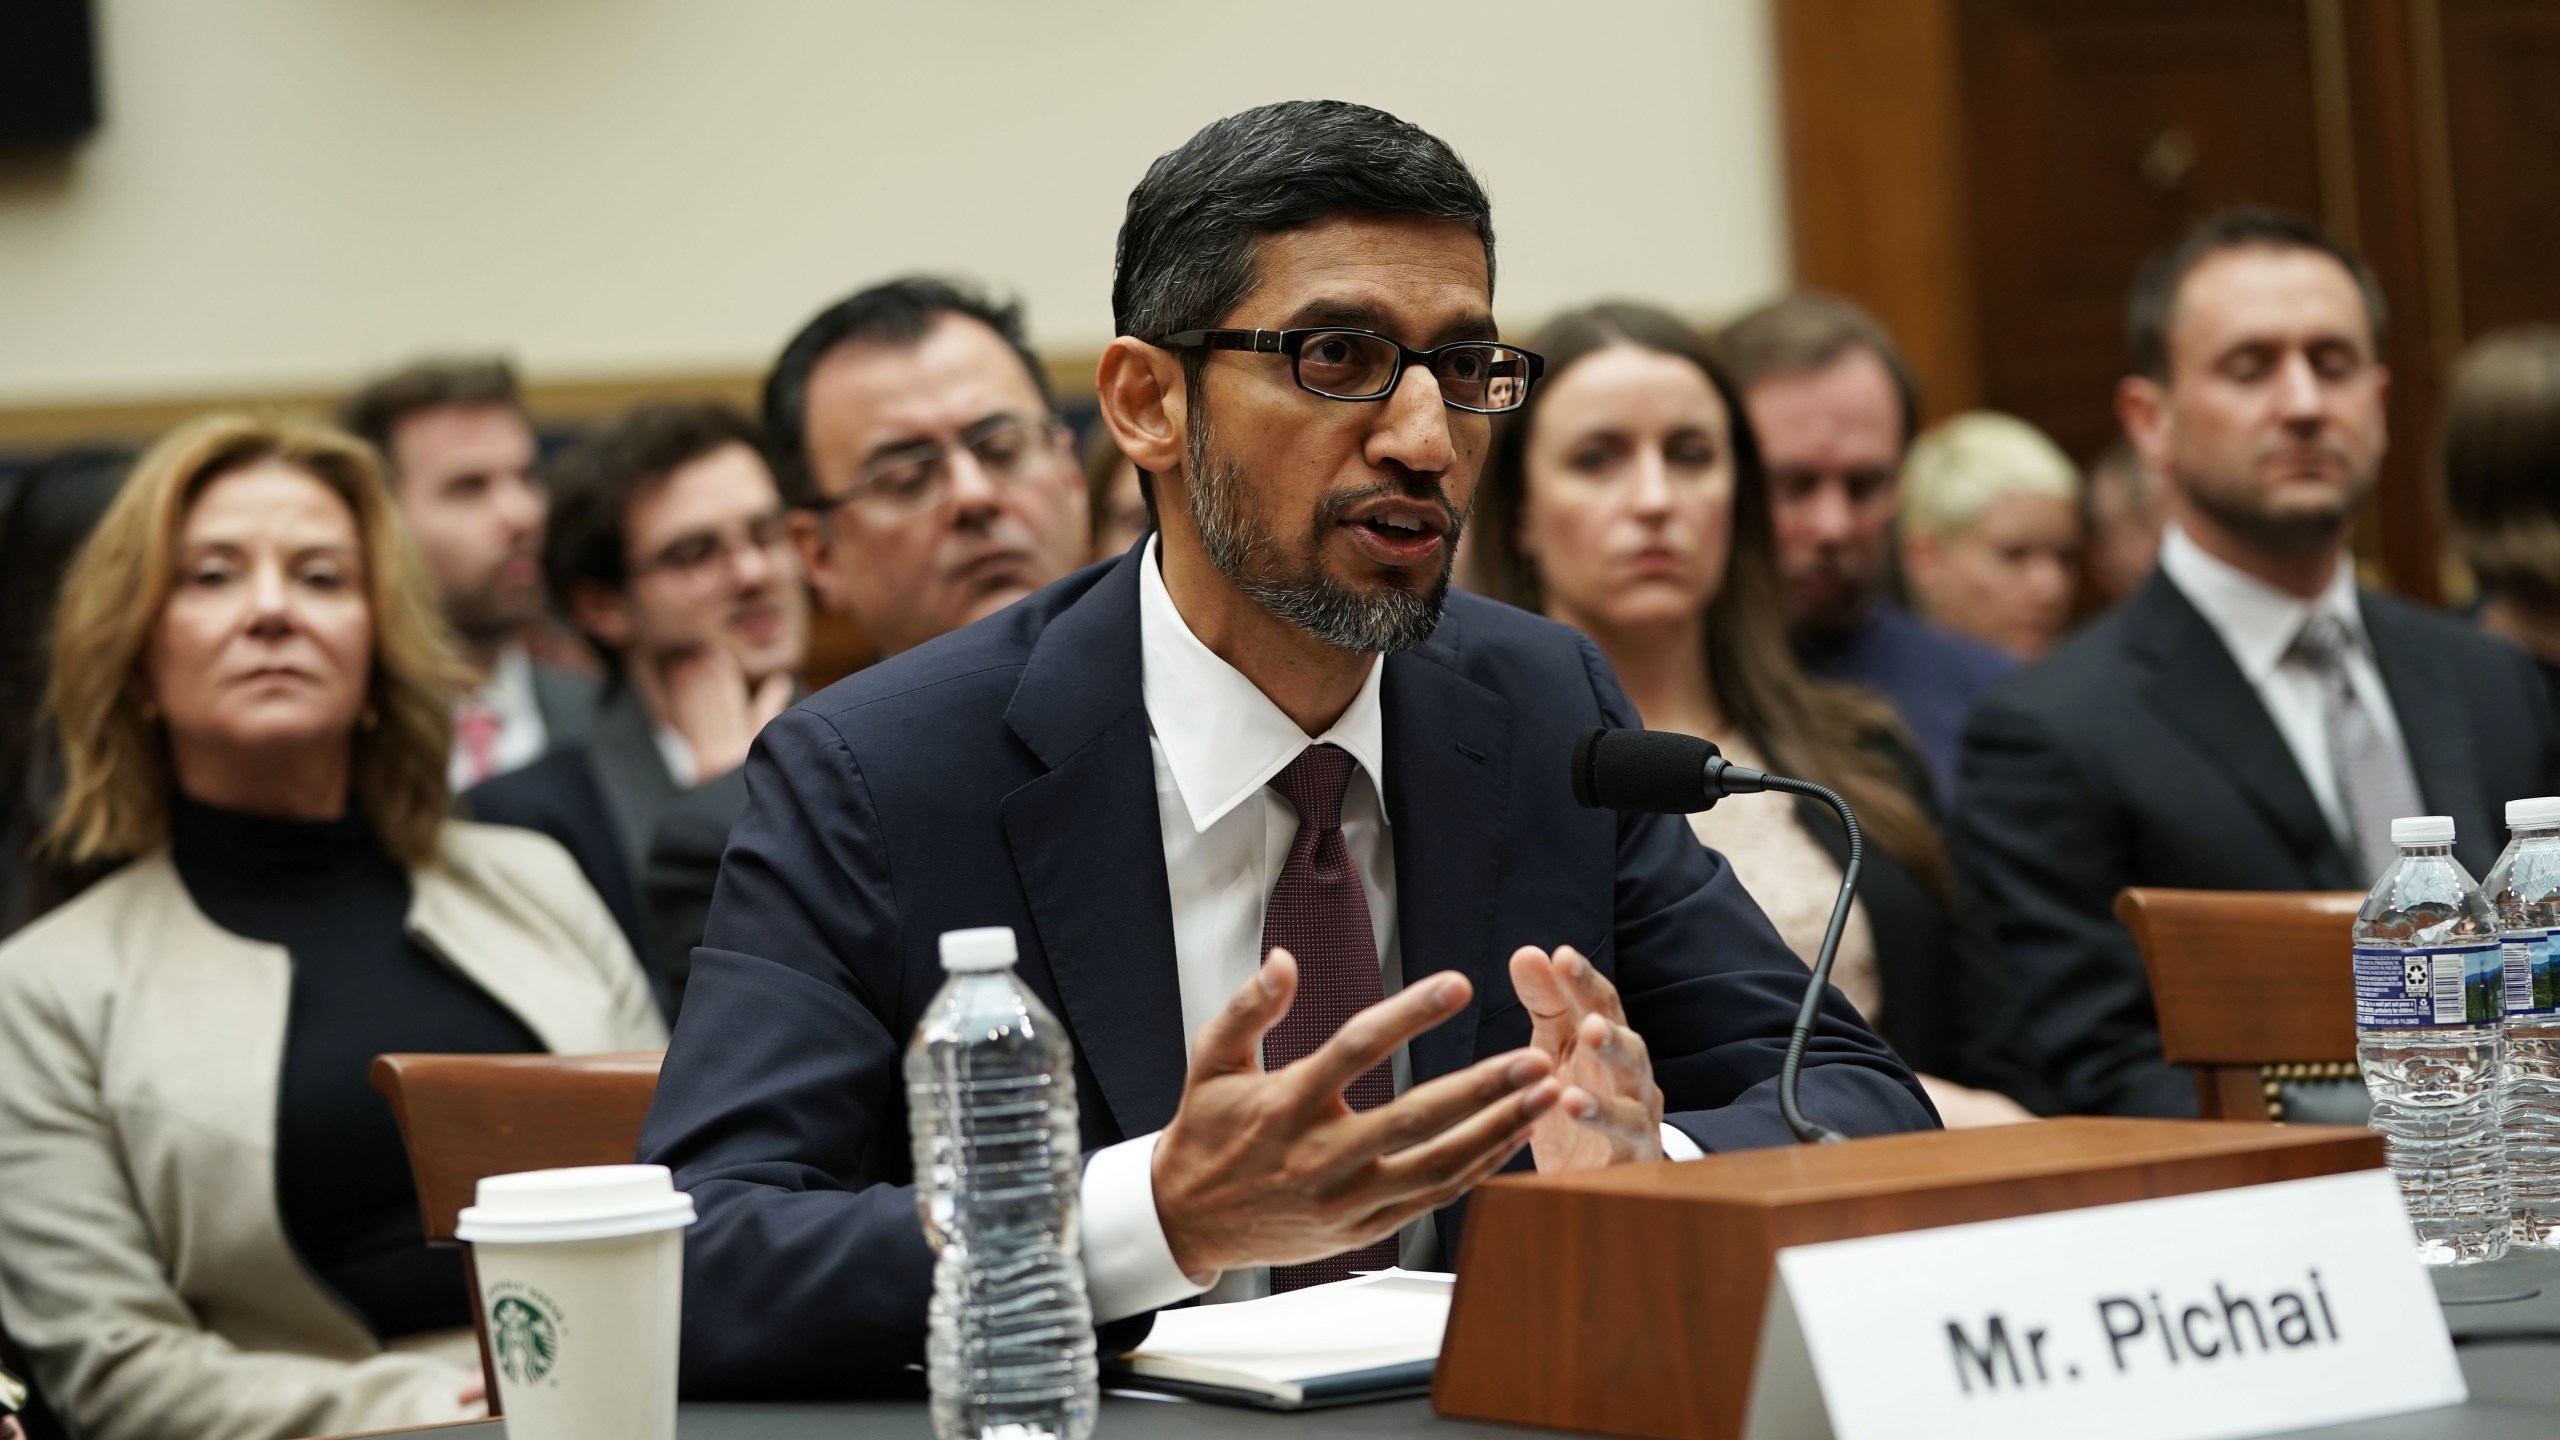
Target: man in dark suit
(2249,719)
(1261,780)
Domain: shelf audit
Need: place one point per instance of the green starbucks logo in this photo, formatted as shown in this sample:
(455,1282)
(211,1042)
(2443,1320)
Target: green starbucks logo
(526,1338)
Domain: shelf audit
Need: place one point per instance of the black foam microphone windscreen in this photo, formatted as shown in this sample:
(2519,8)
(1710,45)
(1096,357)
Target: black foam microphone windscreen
(1652,771)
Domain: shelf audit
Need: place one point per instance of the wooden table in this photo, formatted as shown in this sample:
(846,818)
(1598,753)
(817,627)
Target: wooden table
(2515,1395)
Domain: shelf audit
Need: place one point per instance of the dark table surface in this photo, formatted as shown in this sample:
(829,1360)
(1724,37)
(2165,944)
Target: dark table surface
(2505,1320)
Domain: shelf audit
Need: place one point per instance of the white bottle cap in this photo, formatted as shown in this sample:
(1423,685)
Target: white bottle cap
(990,948)
(2538,813)
(2422,830)
(590,1202)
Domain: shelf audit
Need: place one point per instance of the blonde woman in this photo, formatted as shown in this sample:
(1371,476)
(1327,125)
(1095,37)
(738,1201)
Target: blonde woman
(207,1224)
(1991,532)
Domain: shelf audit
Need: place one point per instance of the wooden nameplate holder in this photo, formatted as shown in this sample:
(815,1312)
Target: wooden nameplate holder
(1629,1301)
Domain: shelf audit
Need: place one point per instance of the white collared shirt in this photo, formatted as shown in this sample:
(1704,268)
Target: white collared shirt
(522,737)
(2258,623)
(1217,741)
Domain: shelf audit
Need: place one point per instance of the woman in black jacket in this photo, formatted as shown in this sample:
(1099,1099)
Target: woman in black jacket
(1628,500)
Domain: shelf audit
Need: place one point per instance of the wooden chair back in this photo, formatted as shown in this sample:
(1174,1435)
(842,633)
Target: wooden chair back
(465,1117)
(2252,988)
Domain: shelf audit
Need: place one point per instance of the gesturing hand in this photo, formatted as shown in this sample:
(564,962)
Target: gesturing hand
(1273,1168)
(1611,1111)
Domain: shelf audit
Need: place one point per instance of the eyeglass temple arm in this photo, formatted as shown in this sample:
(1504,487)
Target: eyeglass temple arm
(1260,340)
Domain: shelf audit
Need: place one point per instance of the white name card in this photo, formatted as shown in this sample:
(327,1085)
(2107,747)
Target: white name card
(2198,1317)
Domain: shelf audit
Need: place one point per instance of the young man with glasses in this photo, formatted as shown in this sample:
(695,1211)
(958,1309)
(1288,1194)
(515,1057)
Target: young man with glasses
(931,481)
(1263,783)
(670,549)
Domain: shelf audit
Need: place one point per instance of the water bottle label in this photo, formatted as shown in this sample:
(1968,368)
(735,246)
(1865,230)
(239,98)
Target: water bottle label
(2439,985)
(2532,971)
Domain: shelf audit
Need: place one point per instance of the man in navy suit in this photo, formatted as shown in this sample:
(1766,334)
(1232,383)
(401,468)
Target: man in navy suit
(1262,781)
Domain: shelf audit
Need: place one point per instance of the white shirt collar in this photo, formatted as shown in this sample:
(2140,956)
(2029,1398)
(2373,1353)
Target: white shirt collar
(2257,621)
(1222,737)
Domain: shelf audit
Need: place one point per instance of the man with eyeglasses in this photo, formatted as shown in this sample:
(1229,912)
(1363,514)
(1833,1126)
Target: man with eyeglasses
(931,481)
(670,549)
(1262,782)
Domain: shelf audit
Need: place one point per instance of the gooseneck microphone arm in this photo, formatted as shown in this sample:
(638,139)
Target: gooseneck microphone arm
(1656,772)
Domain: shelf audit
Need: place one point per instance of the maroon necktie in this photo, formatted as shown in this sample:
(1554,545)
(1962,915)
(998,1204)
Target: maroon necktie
(1319,915)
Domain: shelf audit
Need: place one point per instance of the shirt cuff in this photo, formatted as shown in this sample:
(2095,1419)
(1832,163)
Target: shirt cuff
(1128,1267)
(1676,1145)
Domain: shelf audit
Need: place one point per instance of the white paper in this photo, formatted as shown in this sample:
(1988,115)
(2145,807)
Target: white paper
(1391,1317)
(2196,1317)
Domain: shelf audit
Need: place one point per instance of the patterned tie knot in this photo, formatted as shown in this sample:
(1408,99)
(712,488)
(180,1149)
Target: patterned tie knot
(2322,644)
(1313,785)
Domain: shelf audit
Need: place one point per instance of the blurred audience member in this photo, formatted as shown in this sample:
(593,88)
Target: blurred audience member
(2501,458)
(914,434)
(670,550)
(2127,508)
(50,513)
(2249,720)
(1835,406)
(1991,531)
(1628,501)
(1116,493)
(462,458)
(207,1222)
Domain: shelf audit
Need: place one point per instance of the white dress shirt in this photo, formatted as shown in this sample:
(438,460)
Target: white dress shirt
(1217,741)
(522,738)
(2258,623)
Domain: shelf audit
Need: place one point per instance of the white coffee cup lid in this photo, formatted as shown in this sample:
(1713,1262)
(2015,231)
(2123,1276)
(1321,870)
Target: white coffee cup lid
(591,1202)
(2540,811)
(2422,830)
(987,948)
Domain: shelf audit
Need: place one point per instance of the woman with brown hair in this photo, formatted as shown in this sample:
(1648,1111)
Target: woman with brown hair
(207,1223)
(1627,500)
(2501,457)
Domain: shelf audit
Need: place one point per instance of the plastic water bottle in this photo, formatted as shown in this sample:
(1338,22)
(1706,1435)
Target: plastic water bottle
(2430,1004)
(2524,888)
(991,1102)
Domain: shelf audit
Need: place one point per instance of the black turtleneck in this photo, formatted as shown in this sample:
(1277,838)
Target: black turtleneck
(328,893)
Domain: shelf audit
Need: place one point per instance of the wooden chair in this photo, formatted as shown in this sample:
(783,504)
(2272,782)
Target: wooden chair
(464,1117)
(2253,989)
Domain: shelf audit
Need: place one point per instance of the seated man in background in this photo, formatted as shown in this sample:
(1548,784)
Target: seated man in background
(1835,406)
(2250,719)
(1267,699)
(1991,534)
(670,550)
(931,481)
(461,455)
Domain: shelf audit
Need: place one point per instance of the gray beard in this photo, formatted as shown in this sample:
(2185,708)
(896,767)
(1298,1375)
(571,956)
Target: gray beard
(1306,596)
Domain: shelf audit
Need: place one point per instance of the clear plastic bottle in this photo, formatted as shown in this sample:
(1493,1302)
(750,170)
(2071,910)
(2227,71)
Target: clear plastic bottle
(991,1102)
(2430,1000)
(2524,888)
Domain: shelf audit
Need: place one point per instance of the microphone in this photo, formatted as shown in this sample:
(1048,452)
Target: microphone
(1655,772)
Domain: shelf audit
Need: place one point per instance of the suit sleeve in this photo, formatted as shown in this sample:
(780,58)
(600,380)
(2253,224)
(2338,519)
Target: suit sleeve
(2044,846)
(1713,991)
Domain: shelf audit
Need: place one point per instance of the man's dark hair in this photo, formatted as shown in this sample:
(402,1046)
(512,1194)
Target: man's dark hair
(896,313)
(2147,311)
(374,413)
(1808,330)
(1187,243)
(594,483)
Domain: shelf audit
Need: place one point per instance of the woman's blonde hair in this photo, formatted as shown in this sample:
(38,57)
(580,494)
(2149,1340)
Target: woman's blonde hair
(1962,464)
(115,801)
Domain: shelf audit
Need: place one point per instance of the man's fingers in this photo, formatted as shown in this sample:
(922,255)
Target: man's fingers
(1374,1033)
(1450,1155)
(1394,1216)
(1590,989)
(1427,1110)
(1622,1121)
(1619,1049)
(1231,1042)
(1542,993)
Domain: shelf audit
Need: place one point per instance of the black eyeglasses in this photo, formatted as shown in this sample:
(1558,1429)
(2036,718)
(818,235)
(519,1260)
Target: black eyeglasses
(1483,377)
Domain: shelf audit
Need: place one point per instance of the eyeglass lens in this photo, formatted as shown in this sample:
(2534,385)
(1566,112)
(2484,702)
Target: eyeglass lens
(916,479)
(1349,365)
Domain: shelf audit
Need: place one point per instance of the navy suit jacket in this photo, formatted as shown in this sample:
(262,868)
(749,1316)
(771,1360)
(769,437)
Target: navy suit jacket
(1001,776)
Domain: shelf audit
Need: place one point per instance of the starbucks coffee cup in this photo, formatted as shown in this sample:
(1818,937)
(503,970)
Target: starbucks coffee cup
(582,1283)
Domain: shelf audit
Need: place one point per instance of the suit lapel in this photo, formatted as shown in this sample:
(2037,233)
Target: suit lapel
(1089,853)
(2427,701)
(2197,687)
(1448,756)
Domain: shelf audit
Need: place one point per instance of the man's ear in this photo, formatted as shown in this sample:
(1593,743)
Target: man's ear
(602,614)
(1139,387)
(2142,408)
(816,548)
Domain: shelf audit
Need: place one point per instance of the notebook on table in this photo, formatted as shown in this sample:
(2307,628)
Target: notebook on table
(1372,1337)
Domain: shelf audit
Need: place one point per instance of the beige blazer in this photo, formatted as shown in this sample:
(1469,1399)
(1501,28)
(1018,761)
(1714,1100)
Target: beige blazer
(143,1263)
